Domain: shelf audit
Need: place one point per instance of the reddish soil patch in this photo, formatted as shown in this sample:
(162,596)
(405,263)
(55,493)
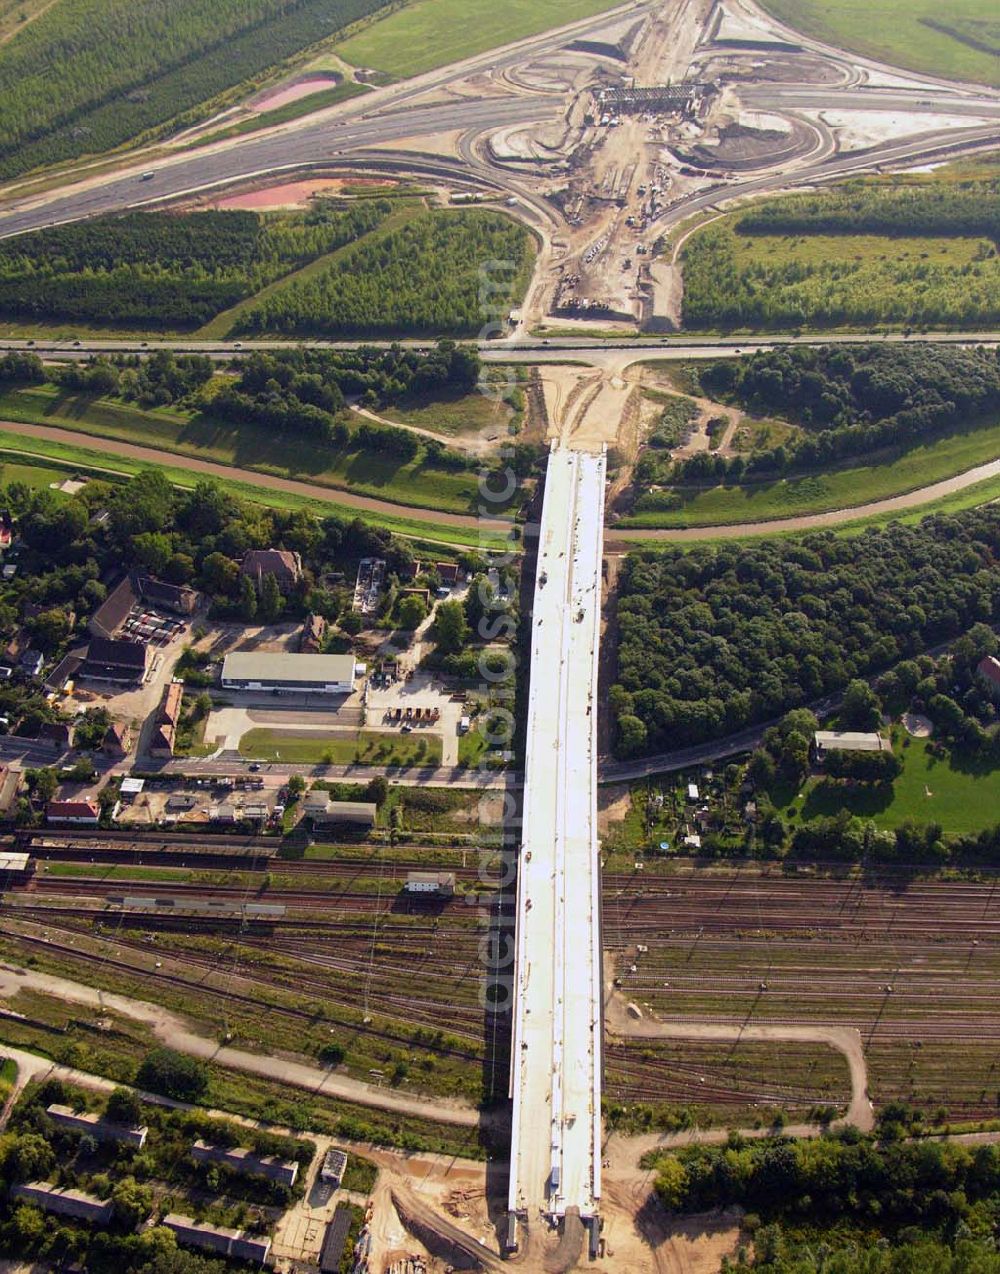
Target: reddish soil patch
(294,92)
(291,194)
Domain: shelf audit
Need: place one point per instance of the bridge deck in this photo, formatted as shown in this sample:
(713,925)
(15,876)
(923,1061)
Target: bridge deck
(555,1149)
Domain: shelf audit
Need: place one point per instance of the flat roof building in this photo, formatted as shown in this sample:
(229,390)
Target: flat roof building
(284,1171)
(334,1166)
(849,741)
(218,1239)
(441,883)
(331,1254)
(64,1202)
(95,1126)
(291,673)
(323,811)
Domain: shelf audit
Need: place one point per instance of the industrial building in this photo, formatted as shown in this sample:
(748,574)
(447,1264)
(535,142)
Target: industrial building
(334,1166)
(64,1202)
(323,811)
(95,1126)
(331,1254)
(439,883)
(116,660)
(290,673)
(218,1239)
(284,1171)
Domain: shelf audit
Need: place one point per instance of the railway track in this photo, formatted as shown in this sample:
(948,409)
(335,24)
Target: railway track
(258,1005)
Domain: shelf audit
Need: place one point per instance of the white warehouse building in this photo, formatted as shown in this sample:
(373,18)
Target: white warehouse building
(291,673)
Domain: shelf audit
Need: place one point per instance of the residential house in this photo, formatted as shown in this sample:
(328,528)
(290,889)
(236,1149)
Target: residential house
(164,736)
(65,1202)
(58,733)
(284,565)
(118,739)
(182,599)
(78,813)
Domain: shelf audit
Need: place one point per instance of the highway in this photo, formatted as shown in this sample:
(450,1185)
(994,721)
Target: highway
(556,1058)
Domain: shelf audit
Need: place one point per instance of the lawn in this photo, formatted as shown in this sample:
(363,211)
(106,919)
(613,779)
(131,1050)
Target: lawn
(367,747)
(38,477)
(465,413)
(247,447)
(963,795)
(432,33)
(820,492)
(82,460)
(922,35)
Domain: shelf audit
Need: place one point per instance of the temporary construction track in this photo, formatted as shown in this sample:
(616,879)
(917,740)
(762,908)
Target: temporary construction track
(555,1161)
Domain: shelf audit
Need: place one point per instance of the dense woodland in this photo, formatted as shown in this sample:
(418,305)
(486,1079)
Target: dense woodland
(782,288)
(852,400)
(88,75)
(424,278)
(899,1206)
(969,209)
(726,636)
(161,270)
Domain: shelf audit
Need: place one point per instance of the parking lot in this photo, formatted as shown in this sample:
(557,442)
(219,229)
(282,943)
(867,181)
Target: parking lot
(395,706)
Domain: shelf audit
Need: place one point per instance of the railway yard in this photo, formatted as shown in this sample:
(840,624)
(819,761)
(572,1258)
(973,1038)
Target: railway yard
(911,964)
(226,932)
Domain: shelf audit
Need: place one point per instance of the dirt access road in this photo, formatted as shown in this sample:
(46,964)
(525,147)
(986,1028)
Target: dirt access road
(330,495)
(176,1032)
(811,521)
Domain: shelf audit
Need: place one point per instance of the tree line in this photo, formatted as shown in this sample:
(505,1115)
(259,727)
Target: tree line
(422,279)
(968,209)
(164,270)
(87,75)
(725,636)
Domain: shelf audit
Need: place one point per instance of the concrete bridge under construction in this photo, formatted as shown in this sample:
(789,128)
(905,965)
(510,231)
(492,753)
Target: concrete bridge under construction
(555,1160)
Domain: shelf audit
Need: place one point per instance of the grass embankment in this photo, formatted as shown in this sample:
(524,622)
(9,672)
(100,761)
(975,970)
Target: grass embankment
(367,747)
(291,110)
(245,447)
(464,414)
(953,791)
(432,33)
(821,492)
(960,40)
(81,460)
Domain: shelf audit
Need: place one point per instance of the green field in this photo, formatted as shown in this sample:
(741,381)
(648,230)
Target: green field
(737,281)
(922,35)
(367,747)
(248,447)
(431,33)
(820,492)
(459,415)
(962,795)
(82,460)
